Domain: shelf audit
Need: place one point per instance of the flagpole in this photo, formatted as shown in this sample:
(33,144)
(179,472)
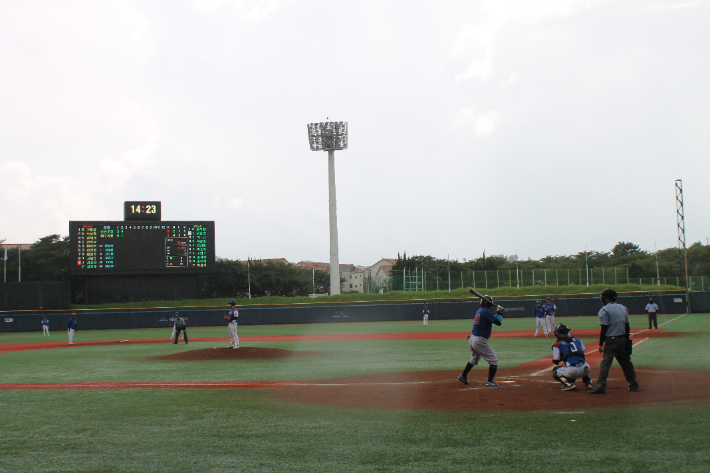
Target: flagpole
(19,263)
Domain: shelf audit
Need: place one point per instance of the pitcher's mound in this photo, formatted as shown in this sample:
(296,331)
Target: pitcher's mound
(519,390)
(244,353)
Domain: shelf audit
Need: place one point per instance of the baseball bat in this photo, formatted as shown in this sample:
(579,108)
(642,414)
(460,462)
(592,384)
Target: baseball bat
(478,294)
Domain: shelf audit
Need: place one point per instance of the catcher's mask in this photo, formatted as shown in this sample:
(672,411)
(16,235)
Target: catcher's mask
(561,331)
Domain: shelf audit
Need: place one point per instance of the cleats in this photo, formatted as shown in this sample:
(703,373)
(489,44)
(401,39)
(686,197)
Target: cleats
(569,387)
(463,379)
(492,384)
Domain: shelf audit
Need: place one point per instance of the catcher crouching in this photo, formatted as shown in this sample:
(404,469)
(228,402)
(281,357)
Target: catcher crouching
(570,352)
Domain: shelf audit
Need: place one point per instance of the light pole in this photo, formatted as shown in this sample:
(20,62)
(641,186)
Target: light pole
(586,264)
(329,136)
(516,269)
(249,275)
(658,275)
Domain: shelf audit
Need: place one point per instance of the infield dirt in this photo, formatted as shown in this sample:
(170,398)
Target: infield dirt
(520,391)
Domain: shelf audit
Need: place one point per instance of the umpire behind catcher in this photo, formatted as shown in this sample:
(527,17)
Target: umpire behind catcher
(614,342)
(180,326)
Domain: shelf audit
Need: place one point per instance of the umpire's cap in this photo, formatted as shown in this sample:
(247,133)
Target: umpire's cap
(232,303)
(609,294)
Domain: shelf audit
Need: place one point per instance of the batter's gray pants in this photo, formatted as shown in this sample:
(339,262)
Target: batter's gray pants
(481,349)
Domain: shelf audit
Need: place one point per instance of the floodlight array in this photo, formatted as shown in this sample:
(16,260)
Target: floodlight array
(326,136)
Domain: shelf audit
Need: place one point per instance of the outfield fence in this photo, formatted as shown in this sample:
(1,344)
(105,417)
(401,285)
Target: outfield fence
(422,280)
(363,311)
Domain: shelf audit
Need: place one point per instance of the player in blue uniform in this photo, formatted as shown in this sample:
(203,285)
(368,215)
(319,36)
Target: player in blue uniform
(540,319)
(570,352)
(71,328)
(478,341)
(550,309)
(45,326)
(232,318)
(425,313)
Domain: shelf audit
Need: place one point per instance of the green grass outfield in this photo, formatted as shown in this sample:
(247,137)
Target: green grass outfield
(244,430)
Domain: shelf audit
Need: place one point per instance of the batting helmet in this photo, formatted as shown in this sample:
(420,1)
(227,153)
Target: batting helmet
(609,294)
(538,302)
(487,301)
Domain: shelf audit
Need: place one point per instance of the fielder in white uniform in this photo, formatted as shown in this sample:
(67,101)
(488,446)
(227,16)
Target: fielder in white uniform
(233,316)
(45,326)
(550,310)
(425,312)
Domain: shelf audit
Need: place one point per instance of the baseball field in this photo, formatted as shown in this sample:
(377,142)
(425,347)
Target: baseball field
(357,397)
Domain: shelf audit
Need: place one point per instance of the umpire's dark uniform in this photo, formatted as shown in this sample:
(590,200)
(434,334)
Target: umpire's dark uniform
(180,325)
(614,342)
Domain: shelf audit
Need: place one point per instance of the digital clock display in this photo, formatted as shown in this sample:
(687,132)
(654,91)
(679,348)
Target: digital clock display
(141,248)
(141,211)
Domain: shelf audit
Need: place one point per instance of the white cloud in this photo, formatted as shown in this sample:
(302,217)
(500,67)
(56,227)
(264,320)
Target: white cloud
(236,203)
(482,124)
(50,200)
(136,161)
(476,41)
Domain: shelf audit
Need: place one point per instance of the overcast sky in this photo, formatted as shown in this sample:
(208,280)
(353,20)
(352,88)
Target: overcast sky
(537,126)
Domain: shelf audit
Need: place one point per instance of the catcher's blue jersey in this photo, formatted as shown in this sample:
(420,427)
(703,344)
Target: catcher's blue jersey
(571,351)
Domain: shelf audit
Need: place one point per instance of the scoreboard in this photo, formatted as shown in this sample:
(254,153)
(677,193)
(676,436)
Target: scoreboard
(140,247)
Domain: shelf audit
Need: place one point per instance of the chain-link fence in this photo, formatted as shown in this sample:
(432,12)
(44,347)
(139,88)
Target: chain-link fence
(419,280)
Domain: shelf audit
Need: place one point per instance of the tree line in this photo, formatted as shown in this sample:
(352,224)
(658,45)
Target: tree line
(640,263)
(48,260)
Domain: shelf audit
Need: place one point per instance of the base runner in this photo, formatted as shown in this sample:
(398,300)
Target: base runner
(570,352)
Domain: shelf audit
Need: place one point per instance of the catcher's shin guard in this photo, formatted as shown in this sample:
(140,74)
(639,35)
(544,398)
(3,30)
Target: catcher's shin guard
(559,377)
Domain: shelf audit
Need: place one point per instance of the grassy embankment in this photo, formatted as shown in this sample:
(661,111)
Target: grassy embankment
(528,291)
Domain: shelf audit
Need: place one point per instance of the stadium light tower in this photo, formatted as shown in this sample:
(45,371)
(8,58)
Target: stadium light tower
(329,136)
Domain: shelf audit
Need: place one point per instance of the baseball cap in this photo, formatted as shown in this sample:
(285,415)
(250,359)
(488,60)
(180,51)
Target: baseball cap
(232,303)
(549,298)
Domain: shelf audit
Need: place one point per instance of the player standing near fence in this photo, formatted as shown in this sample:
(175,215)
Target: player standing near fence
(540,319)
(232,319)
(478,341)
(71,328)
(425,312)
(550,310)
(652,309)
(45,326)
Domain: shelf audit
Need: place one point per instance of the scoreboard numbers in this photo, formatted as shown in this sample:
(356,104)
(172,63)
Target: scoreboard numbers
(135,247)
